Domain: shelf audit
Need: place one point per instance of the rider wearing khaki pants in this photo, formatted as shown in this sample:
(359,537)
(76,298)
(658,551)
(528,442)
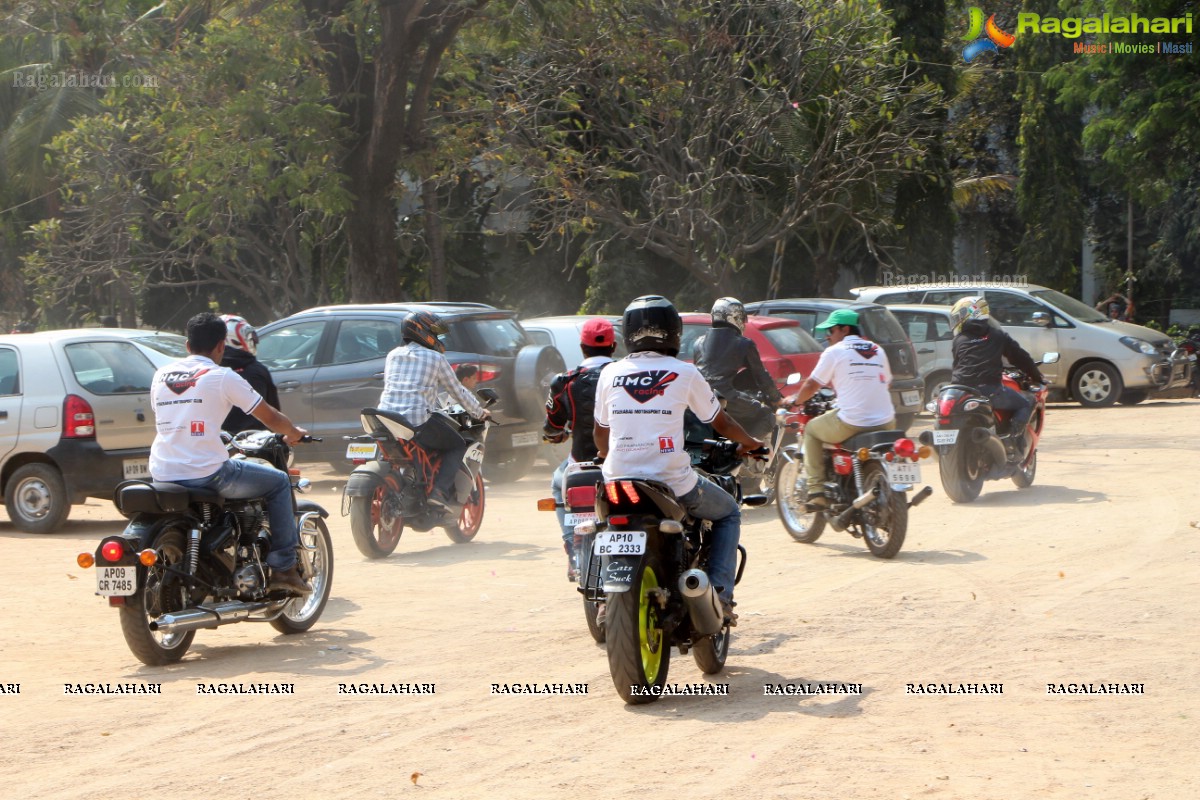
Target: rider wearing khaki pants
(858,370)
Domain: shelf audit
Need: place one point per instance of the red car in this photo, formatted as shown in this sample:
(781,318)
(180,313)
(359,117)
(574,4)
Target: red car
(783,344)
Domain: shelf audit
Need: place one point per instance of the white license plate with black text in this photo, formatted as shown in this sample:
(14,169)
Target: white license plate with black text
(945,437)
(575,518)
(906,473)
(135,468)
(527,439)
(911,398)
(361,451)
(116,581)
(620,543)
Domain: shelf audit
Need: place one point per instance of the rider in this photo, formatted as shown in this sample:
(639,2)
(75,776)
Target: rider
(569,412)
(723,354)
(979,345)
(640,403)
(241,345)
(858,370)
(415,372)
(191,398)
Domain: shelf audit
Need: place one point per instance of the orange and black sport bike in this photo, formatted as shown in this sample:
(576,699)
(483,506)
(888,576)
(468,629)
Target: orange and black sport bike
(390,485)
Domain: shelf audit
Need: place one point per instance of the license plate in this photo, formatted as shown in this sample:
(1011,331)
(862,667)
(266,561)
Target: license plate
(945,437)
(903,473)
(527,439)
(910,398)
(116,581)
(573,519)
(136,468)
(620,543)
(361,451)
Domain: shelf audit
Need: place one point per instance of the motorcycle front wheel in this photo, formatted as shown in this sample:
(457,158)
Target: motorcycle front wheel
(638,652)
(791,490)
(711,651)
(471,516)
(161,593)
(961,472)
(376,522)
(1023,477)
(886,516)
(315,556)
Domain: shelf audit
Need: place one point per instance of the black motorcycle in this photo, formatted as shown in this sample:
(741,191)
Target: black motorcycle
(191,559)
(390,484)
(644,559)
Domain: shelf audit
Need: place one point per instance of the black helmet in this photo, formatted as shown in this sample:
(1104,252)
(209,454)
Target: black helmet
(729,310)
(424,328)
(652,323)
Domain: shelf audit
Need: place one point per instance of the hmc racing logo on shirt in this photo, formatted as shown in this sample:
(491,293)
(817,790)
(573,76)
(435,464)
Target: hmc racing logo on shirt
(644,386)
(865,349)
(180,382)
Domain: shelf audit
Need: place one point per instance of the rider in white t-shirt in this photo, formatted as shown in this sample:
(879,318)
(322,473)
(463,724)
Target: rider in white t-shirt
(640,401)
(191,399)
(858,370)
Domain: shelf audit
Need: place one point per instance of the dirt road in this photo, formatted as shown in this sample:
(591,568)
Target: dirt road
(1088,577)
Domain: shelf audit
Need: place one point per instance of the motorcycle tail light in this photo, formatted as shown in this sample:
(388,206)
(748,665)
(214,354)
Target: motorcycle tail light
(614,493)
(112,550)
(945,406)
(889,456)
(79,422)
(116,600)
(581,496)
(630,491)
(618,520)
(547,504)
(970,405)
(904,447)
(85,560)
(148,558)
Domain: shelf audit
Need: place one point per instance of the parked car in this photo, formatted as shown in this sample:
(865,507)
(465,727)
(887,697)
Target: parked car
(328,364)
(75,417)
(928,328)
(1101,360)
(877,324)
(562,333)
(783,345)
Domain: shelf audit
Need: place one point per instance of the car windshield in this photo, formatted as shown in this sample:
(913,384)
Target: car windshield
(791,340)
(166,343)
(881,326)
(1069,305)
(500,336)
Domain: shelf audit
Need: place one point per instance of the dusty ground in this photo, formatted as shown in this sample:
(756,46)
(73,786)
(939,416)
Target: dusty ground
(1088,577)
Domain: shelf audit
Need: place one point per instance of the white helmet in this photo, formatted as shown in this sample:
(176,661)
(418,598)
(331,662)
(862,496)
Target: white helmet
(240,334)
(731,310)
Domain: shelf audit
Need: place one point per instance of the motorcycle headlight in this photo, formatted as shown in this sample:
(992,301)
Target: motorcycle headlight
(1139,345)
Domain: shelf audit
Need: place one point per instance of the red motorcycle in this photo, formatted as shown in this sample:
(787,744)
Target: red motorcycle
(975,442)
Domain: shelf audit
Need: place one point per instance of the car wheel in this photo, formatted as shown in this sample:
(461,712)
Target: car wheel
(36,496)
(934,385)
(1096,385)
(1131,397)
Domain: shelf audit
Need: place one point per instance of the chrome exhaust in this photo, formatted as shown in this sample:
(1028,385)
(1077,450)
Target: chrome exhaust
(191,619)
(703,605)
(842,521)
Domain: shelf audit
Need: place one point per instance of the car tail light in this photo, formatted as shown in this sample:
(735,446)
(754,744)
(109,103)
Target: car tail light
(112,550)
(581,496)
(904,447)
(79,422)
(488,372)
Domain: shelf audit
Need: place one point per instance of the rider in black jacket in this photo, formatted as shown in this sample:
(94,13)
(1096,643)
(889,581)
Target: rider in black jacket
(731,365)
(241,344)
(979,349)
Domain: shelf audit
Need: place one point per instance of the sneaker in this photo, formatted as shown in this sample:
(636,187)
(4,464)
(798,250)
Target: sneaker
(288,580)
(438,499)
(727,610)
(816,502)
(572,572)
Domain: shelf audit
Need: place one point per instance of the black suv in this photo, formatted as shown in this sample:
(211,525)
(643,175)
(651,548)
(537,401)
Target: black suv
(879,325)
(328,364)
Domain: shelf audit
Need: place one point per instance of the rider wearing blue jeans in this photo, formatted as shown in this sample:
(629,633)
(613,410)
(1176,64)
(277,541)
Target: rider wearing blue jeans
(191,400)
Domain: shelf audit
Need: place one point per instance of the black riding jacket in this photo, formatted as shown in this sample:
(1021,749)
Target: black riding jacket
(724,352)
(979,351)
(259,378)
(572,407)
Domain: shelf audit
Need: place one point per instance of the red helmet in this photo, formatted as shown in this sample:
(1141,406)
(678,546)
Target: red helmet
(240,334)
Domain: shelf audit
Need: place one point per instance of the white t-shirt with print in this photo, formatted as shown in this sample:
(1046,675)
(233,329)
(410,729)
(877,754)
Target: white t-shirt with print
(191,399)
(641,400)
(858,371)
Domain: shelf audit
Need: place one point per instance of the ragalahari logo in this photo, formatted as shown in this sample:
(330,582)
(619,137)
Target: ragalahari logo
(983,37)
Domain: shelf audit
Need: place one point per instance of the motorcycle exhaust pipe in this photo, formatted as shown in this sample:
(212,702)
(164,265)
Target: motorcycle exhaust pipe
(703,605)
(842,521)
(991,445)
(920,496)
(192,619)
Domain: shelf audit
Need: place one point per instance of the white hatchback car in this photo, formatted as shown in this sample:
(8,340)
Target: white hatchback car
(75,416)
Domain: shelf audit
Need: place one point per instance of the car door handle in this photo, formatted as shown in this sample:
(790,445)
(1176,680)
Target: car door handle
(288,386)
(925,350)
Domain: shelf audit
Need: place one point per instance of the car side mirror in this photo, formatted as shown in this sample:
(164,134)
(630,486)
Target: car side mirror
(1041,319)
(794,379)
(1049,358)
(489,396)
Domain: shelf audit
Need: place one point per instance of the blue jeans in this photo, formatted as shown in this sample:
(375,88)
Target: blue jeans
(709,501)
(238,479)
(1006,399)
(556,491)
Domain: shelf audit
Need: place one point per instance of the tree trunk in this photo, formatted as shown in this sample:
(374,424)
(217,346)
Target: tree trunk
(435,239)
(374,272)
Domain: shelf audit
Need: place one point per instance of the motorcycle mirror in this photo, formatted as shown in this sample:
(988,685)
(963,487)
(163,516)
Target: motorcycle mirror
(489,396)
(794,379)
(1049,358)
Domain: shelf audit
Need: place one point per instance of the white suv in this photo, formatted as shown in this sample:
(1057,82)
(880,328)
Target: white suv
(75,417)
(1102,360)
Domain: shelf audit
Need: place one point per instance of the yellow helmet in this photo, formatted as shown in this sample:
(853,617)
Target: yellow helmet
(967,308)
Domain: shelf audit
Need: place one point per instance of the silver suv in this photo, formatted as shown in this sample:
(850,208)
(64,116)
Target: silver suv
(75,417)
(1102,360)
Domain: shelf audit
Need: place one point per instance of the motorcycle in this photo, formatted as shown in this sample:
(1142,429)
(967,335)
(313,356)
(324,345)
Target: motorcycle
(868,479)
(191,559)
(1191,346)
(974,441)
(643,558)
(393,477)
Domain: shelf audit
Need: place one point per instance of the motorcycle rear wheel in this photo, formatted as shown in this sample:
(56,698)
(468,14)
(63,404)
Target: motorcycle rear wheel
(591,613)
(471,516)
(639,654)
(791,490)
(375,528)
(885,537)
(316,565)
(711,651)
(1023,477)
(962,474)
(147,603)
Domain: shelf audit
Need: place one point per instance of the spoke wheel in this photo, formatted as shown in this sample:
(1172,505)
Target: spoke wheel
(160,593)
(886,517)
(315,559)
(791,489)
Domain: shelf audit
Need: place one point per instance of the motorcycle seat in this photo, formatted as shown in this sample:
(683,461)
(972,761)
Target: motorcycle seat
(160,497)
(871,438)
(376,421)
